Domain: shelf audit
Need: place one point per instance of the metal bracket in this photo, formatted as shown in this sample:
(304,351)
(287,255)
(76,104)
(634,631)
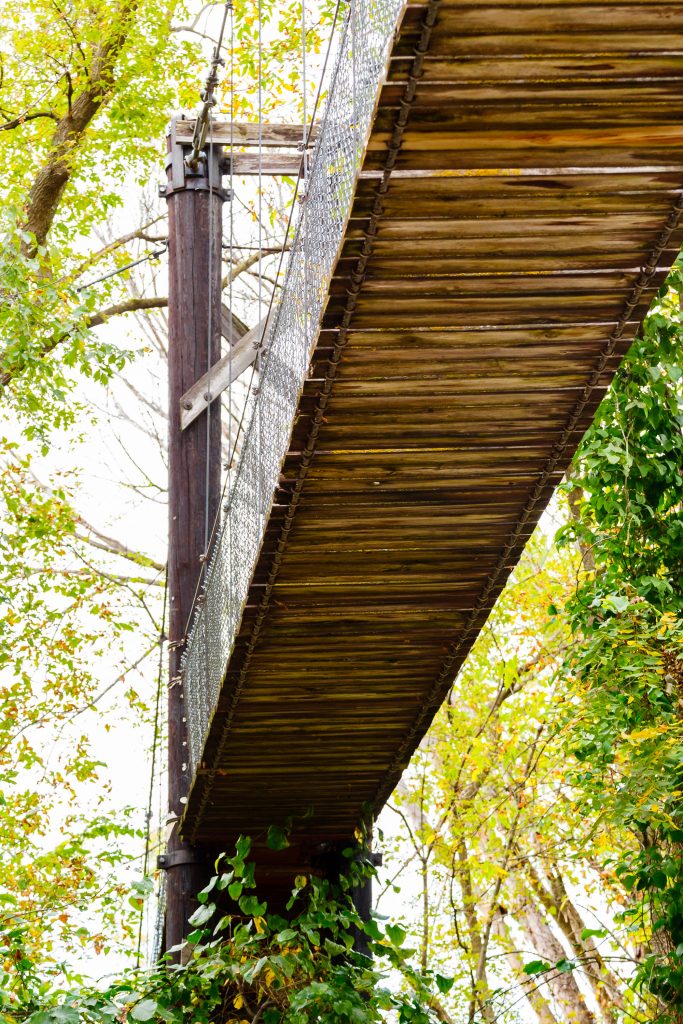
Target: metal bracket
(182,177)
(177,858)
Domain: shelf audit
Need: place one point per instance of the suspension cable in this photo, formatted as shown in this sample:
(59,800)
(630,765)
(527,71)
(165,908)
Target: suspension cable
(259,213)
(209,345)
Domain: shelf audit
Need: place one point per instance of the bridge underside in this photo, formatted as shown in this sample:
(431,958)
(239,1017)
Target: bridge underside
(515,215)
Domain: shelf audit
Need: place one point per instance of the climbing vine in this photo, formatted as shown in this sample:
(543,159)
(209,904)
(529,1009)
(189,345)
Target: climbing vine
(627,614)
(244,963)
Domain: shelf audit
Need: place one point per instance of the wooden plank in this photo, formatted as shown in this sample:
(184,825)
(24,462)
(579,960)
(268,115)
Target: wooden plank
(554,247)
(232,328)
(575,92)
(618,43)
(495,116)
(481,265)
(543,19)
(461,312)
(273,164)
(244,133)
(457,202)
(599,142)
(571,223)
(595,282)
(530,182)
(478,166)
(539,69)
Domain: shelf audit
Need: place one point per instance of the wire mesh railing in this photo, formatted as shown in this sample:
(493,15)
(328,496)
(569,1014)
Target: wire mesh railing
(355,79)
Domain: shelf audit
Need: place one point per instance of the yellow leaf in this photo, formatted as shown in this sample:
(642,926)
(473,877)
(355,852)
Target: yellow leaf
(259,924)
(270,976)
(646,734)
(238,1002)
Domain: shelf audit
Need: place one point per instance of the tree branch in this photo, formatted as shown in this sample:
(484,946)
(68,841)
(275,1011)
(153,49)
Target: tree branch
(23,118)
(8,372)
(134,305)
(51,180)
(139,233)
(96,539)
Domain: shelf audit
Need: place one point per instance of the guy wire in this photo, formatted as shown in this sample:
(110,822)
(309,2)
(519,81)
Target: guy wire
(210,354)
(257,361)
(155,747)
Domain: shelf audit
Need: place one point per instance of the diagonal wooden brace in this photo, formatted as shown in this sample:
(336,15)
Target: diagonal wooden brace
(222,374)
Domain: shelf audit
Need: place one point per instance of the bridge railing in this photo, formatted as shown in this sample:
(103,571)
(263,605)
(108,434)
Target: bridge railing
(355,79)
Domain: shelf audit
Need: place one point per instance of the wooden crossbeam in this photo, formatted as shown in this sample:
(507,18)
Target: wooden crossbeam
(232,328)
(242,133)
(222,374)
(239,135)
(274,164)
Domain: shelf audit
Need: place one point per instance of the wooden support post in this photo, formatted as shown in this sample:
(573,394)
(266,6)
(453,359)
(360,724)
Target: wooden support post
(195,203)
(362,899)
(331,862)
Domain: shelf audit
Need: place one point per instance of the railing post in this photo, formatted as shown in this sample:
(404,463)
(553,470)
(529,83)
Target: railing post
(195,201)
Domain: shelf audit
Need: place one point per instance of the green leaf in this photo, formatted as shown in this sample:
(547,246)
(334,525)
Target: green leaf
(443,984)
(396,934)
(235,890)
(144,886)
(536,967)
(203,914)
(144,1010)
(203,896)
(243,847)
(250,905)
(277,838)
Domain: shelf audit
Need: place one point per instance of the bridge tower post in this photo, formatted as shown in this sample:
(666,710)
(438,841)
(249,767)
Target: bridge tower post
(195,200)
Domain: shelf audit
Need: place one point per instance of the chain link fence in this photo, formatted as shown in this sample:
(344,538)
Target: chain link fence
(356,76)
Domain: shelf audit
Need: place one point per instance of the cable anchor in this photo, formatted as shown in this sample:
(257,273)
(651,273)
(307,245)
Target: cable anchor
(208,99)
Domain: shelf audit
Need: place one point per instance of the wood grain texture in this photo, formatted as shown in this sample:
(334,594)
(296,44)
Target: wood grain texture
(538,170)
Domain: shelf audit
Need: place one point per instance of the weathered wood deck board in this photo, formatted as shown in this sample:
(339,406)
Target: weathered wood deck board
(537,175)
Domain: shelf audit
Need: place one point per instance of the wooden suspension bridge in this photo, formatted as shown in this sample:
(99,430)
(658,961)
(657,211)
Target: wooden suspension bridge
(517,208)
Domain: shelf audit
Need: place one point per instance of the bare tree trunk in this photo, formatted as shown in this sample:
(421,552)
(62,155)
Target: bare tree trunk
(567,996)
(555,899)
(532,992)
(480,997)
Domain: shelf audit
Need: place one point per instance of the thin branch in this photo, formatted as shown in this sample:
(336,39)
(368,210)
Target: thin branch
(23,118)
(89,705)
(96,539)
(95,257)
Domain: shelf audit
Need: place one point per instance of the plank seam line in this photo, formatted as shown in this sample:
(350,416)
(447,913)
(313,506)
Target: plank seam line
(445,678)
(357,277)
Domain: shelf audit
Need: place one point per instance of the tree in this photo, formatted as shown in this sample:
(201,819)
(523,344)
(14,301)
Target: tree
(627,666)
(85,93)
(514,873)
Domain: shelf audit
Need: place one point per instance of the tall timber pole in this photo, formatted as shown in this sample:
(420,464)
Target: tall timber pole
(195,204)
